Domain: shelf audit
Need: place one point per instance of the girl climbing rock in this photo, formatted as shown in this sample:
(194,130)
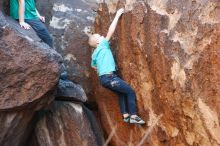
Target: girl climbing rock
(104,63)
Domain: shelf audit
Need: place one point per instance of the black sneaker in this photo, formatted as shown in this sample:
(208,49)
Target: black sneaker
(126,119)
(136,120)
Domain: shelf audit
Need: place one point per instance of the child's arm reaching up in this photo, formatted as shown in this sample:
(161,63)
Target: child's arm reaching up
(114,24)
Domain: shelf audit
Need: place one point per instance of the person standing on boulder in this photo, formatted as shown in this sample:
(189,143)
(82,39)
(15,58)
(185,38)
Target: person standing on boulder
(103,62)
(26,13)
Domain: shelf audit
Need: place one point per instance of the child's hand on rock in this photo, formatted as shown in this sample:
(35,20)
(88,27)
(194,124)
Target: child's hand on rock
(42,18)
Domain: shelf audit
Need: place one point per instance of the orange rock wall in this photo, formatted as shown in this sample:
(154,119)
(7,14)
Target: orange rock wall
(168,51)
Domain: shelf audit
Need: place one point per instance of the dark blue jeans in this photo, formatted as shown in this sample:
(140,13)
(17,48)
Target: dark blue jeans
(41,30)
(127,97)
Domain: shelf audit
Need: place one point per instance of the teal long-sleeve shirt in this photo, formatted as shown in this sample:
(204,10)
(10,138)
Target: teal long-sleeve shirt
(103,59)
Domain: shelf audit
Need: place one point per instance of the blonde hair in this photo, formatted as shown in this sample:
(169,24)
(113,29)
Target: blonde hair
(92,40)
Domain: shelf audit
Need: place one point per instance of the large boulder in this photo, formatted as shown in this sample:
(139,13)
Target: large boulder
(28,68)
(69,22)
(29,75)
(66,124)
(168,51)
(29,72)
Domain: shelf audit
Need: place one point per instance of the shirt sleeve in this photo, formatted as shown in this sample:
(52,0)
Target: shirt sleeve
(105,44)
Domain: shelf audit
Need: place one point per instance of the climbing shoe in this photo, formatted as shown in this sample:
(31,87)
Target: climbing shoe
(126,119)
(136,120)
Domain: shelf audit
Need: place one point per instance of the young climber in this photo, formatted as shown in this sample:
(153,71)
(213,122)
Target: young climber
(26,13)
(103,62)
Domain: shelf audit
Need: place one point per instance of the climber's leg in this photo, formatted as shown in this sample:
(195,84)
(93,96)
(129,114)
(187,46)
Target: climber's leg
(114,83)
(122,102)
(122,99)
(41,30)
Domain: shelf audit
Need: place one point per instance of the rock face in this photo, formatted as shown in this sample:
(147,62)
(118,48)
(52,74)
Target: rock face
(4,6)
(169,53)
(167,50)
(29,74)
(66,124)
(67,90)
(29,70)
(69,22)
(15,127)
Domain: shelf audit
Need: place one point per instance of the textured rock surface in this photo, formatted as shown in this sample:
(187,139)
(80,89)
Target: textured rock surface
(68,90)
(69,21)
(29,71)
(4,6)
(169,52)
(15,127)
(66,124)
